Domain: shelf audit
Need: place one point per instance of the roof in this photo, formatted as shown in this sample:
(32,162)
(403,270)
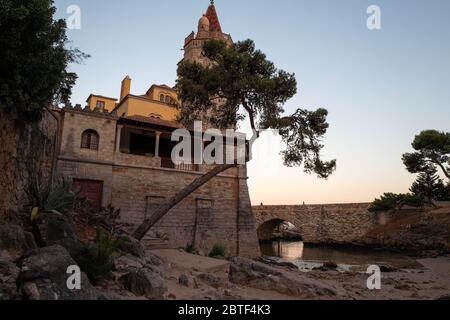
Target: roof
(211,14)
(141,120)
(99,96)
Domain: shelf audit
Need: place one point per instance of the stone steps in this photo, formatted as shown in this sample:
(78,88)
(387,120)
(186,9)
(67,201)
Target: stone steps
(155,244)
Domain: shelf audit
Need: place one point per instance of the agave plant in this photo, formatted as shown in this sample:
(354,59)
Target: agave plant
(46,196)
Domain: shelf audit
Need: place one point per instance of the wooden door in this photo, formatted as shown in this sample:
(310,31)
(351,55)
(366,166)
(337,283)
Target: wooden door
(89,189)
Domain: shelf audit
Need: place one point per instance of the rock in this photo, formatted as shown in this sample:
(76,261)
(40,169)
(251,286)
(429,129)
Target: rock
(15,240)
(276,262)
(43,275)
(330,265)
(153,259)
(444,298)
(387,269)
(57,229)
(254,274)
(8,277)
(128,263)
(132,246)
(145,282)
(172,296)
(184,281)
(211,280)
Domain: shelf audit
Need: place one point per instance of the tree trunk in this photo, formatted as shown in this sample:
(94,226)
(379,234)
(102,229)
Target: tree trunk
(164,208)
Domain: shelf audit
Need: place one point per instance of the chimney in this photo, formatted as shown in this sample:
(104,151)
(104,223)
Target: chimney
(126,87)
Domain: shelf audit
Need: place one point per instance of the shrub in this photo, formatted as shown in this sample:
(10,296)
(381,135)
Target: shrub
(98,261)
(190,248)
(217,251)
(392,201)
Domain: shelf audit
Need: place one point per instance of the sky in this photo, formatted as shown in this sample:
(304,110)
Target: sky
(381,87)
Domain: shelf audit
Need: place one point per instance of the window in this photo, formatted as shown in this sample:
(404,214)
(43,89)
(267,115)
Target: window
(161,98)
(90,140)
(168,99)
(100,105)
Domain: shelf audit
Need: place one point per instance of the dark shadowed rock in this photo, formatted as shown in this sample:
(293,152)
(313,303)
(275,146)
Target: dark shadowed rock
(43,276)
(15,240)
(212,280)
(258,275)
(184,281)
(57,229)
(330,265)
(145,282)
(8,277)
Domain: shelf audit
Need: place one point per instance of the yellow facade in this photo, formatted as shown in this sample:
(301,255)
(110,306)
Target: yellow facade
(101,102)
(147,107)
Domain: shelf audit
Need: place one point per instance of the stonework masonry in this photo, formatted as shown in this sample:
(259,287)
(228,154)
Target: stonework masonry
(27,148)
(333,223)
(218,213)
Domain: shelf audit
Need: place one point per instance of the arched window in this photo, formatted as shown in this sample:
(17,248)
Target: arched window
(168,99)
(90,140)
(161,98)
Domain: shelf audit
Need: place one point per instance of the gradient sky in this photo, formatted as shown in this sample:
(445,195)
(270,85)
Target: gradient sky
(380,87)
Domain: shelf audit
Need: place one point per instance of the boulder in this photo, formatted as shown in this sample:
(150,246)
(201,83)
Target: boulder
(184,281)
(212,280)
(15,240)
(260,276)
(132,246)
(145,282)
(43,276)
(8,277)
(57,229)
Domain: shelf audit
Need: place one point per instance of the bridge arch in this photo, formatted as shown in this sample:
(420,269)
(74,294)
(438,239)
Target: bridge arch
(267,230)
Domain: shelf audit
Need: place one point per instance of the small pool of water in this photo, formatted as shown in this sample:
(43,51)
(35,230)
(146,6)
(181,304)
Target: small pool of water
(309,257)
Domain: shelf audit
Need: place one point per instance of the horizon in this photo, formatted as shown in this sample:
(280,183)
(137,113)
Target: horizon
(381,87)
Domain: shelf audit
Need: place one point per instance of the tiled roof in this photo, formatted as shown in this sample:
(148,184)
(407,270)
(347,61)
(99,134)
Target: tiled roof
(211,14)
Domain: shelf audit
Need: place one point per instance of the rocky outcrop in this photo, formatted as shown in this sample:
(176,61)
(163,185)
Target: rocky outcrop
(254,274)
(54,228)
(417,232)
(8,276)
(15,240)
(145,282)
(43,276)
(141,277)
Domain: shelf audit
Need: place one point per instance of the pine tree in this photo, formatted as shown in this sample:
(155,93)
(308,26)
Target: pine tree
(429,186)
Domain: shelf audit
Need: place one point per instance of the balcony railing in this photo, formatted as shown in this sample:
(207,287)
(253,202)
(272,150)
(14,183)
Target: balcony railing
(167,163)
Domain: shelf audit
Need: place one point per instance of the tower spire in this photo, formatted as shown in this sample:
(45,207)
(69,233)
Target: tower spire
(213,18)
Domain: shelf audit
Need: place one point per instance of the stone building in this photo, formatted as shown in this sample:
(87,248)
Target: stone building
(118,151)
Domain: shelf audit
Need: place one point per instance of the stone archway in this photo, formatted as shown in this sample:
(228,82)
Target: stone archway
(269,229)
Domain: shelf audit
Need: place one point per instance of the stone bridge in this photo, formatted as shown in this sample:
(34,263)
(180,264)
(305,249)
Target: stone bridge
(331,223)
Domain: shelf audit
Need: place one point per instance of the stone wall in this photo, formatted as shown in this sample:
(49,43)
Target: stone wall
(218,213)
(26,148)
(333,223)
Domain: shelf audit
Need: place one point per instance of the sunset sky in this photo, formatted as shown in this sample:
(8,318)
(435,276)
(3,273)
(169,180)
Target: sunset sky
(380,87)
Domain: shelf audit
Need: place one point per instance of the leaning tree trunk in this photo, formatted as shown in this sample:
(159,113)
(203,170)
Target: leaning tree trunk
(164,208)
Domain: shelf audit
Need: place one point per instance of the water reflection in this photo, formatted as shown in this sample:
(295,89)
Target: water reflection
(298,251)
(285,250)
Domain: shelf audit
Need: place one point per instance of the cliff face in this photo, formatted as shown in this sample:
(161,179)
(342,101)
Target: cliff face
(25,149)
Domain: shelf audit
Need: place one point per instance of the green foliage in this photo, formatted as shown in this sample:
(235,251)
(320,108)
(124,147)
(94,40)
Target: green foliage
(428,186)
(242,83)
(47,196)
(392,201)
(98,260)
(190,248)
(34,58)
(217,251)
(432,151)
